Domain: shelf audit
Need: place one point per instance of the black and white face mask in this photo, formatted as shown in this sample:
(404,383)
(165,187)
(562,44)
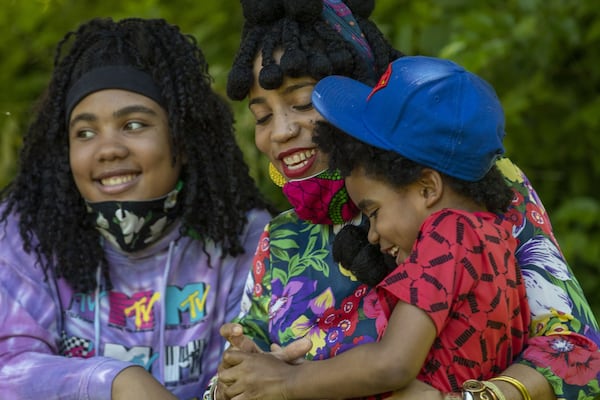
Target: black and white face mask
(135,225)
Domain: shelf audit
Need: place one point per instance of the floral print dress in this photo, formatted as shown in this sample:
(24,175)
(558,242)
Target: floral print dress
(295,289)
(564,334)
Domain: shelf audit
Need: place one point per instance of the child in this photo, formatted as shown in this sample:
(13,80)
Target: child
(423,172)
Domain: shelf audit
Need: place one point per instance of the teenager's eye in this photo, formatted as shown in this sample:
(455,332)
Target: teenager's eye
(305,107)
(373,214)
(84,134)
(133,125)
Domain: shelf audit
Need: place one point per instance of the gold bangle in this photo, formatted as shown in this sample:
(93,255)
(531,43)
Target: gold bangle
(495,390)
(479,388)
(517,384)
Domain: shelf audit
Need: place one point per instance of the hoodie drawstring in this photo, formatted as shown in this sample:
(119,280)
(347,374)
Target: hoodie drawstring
(97,310)
(163,314)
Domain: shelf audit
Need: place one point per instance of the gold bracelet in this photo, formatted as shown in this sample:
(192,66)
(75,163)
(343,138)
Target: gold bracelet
(495,390)
(517,384)
(479,388)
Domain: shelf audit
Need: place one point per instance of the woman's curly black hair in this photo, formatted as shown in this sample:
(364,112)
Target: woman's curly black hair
(351,248)
(218,190)
(347,153)
(311,47)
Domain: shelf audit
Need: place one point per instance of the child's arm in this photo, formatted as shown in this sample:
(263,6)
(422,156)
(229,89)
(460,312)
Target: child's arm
(365,370)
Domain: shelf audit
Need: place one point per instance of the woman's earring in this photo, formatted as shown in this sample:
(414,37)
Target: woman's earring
(276,176)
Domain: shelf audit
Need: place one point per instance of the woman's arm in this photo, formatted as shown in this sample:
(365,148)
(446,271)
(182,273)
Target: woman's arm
(564,334)
(535,383)
(254,314)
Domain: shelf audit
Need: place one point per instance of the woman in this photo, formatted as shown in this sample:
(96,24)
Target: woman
(125,238)
(432,205)
(297,288)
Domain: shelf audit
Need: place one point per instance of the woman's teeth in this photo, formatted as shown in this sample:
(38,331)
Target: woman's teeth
(296,158)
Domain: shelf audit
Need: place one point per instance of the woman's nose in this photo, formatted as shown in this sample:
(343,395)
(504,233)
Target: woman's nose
(285,130)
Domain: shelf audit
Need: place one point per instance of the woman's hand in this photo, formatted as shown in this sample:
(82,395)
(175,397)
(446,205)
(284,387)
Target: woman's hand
(294,353)
(255,376)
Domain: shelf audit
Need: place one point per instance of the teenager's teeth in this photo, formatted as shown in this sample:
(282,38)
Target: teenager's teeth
(394,251)
(116,180)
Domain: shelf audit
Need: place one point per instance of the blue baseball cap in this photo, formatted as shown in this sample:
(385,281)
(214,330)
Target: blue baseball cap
(427,109)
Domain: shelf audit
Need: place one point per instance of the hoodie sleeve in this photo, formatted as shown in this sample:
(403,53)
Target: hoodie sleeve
(30,364)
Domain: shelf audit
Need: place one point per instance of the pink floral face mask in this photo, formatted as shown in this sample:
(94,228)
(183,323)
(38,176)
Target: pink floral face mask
(321,199)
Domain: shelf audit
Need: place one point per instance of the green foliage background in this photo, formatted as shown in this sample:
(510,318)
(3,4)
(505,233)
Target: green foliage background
(542,57)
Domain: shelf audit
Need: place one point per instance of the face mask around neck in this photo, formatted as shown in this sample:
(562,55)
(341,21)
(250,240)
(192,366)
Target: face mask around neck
(321,199)
(134,225)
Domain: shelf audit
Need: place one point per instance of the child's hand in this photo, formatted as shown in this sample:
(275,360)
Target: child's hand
(255,376)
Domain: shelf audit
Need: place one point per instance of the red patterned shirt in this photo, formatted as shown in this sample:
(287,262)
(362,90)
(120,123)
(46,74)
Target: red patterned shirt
(462,271)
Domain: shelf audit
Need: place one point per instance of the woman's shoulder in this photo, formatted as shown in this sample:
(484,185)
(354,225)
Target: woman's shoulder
(290,221)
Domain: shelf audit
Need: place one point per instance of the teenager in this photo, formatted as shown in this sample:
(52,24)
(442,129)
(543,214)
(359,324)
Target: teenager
(125,238)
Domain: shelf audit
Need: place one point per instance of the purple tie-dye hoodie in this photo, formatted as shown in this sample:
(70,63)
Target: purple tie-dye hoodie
(163,313)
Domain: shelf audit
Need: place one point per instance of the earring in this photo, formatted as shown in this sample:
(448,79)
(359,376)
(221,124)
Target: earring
(276,176)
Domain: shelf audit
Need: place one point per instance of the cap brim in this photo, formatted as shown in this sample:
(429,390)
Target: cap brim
(342,101)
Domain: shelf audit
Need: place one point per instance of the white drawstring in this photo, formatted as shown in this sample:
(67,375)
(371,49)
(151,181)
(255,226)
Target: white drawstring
(97,311)
(163,315)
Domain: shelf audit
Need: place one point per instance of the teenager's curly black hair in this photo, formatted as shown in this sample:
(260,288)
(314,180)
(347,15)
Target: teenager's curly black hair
(311,47)
(218,190)
(347,153)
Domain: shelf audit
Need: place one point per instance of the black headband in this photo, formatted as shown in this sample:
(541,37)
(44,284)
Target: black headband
(113,77)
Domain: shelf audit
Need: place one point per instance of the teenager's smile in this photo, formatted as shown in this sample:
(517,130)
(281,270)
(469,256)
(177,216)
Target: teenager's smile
(120,147)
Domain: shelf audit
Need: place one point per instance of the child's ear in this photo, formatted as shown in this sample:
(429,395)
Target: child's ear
(432,186)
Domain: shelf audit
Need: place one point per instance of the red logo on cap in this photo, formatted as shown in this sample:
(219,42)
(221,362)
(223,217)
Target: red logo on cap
(383,81)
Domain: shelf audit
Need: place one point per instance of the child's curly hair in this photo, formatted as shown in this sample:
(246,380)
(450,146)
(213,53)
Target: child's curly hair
(218,189)
(347,153)
(310,45)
